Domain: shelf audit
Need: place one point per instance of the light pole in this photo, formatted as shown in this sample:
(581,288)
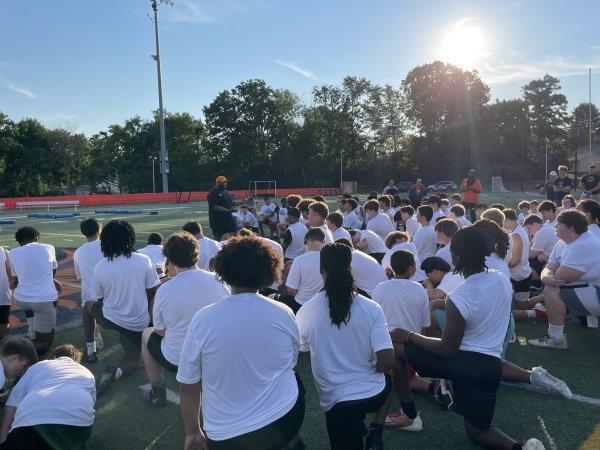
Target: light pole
(164,156)
(153,179)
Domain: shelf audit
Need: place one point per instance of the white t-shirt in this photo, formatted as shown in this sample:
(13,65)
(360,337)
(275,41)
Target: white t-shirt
(412,225)
(328,234)
(351,221)
(496,263)
(545,238)
(594,229)
(240,217)
(376,244)
(404,303)
(484,301)
(177,301)
(367,272)
(463,222)
(207,248)
(2,376)
(305,276)
(55,391)
(385,262)
(154,252)
(522,217)
(33,264)
(122,283)
(5,291)
(296,248)
(444,253)
(450,282)
(522,270)
(557,251)
(268,212)
(425,240)
(343,359)
(282,214)
(381,225)
(243,348)
(437,214)
(583,254)
(341,233)
(85,259)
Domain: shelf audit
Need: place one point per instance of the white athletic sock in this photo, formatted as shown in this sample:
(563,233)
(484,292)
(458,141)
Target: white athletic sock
(91,347)
(531,313)
(556,331)
(118,373)
(31,327)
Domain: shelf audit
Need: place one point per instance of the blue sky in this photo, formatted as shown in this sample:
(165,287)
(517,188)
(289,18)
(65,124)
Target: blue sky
(86,64)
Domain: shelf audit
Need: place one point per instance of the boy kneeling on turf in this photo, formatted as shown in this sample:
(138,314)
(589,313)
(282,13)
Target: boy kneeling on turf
(16,355)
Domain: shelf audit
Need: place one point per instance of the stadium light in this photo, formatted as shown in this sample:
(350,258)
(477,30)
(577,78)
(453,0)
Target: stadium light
(164,156)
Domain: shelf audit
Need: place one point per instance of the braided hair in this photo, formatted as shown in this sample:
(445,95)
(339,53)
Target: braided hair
(340,287)
(117,238)
(499,238)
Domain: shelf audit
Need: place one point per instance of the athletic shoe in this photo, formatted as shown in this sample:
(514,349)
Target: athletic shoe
(442,395)
(108,377)
(400,421)
(548,342)
(90,359)
(542,379)
(99,340)
(533,444)
(373,441)
(157,396)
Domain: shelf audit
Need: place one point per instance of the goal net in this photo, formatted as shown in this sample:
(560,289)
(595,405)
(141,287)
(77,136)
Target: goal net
(263,188)
(497,185)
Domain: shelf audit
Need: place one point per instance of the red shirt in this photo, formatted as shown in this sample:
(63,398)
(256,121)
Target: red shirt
(471,192)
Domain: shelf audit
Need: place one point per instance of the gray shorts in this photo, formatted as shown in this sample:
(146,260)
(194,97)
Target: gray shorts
(44,314)
(581,301)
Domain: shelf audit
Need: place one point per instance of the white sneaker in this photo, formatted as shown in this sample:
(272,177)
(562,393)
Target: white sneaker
(540,378)
(99,340)
(417,425)
(548,342)
(533,444)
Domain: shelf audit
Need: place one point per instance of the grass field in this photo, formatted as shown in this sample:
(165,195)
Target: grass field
(123,420)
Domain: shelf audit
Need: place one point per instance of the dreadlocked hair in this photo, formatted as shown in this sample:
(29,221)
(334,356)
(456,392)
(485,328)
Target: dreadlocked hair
(499,238)
(470,246)
(117,238)
(339,284)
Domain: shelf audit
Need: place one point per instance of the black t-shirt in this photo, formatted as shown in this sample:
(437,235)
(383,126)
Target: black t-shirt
(220,220)
(561,183)
(549,188)
(590,181)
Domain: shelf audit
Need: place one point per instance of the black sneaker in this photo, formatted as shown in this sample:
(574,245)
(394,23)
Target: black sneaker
(373,441)
(442,395)
(108,377)
(156,396)
(90,359)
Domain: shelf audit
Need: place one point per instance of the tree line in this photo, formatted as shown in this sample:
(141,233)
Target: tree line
(437,124)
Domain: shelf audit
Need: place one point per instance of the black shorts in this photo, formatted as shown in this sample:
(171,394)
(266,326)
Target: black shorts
(537,265)
(475,379)
(289,301)
(274,436)
(153,346)
(4,314)
(52,436)
(129,339)
(521,285)
(378,256)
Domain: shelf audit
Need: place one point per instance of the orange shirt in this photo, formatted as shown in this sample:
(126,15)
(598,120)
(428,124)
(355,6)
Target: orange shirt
(470,193)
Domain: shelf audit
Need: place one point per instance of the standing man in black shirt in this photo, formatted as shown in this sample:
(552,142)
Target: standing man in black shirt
(590,184)
(548,188)
(220,209)
(562,185)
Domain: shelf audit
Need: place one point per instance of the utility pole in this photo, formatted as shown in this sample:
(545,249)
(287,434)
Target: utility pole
(590,115)
(164,156)
(153,178)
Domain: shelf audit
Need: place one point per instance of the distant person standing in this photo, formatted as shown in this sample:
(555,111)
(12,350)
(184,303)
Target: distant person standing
(417,192)
(590,184)
(548,188)
(390,189)
(220,209)
(562,185)
(471,188)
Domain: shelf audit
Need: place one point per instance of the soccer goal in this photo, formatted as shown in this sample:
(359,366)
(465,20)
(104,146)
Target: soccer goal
(497,185)
(263,188)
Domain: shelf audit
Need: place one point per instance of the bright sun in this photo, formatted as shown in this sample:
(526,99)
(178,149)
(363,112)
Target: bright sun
(463,45)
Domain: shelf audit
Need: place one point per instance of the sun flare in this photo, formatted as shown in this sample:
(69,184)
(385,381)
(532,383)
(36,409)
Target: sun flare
(463,45)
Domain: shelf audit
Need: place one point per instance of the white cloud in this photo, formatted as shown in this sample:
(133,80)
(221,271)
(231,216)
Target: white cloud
(23,91)
(296,68)
(595,47)
(209,11)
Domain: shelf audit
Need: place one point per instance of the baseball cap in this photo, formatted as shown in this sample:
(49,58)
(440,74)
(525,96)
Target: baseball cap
(221,179)
(553,173)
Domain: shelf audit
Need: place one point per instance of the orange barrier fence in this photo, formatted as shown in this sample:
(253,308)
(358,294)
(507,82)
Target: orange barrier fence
(170,197)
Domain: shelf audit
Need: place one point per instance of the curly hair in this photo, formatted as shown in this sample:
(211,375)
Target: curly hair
(248,262)
(68,350)
(500,240)
(392,238)
(117,238)
(340,287)
(470,246)
(181,249)
(25,235)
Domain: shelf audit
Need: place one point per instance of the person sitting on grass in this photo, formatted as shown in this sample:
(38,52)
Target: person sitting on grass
(245,219)
(534,207)
(32,270)
(334,223)
(317,214)
(518,260)
(340,322)
(591,209)
(399,240)
(303,207)
(411,225)
(385,206)
(468,353)
(207,247)
(457,212)
(444,230)
(425,239)
(573,282)
(175,303)
(523,206)
(52,405)
(351,219)
(154,251)
(124,285)
(268,216)
(16,354)
(237,360)
(369,242)
(293,238)
(544,240)
(379,223)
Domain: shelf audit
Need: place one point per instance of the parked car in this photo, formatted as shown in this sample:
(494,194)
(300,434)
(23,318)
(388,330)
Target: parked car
(443,186)
(403,186)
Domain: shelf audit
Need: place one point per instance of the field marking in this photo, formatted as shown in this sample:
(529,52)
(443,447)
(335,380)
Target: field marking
(159,437)
(61,234)
(550,439)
